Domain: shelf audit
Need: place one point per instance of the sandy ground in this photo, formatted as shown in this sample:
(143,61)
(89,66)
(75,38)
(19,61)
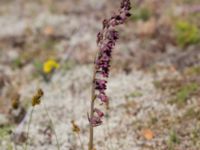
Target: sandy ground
(65,105)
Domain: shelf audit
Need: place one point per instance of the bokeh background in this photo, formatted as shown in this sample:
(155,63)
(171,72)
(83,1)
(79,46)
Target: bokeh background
(153,86)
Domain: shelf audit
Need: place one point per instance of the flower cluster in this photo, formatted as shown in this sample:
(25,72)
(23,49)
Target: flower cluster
(106,40)
(96,119)
(50,65)
(36,99)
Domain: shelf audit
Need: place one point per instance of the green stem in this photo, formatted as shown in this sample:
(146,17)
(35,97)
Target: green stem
(29,124)
(52,125)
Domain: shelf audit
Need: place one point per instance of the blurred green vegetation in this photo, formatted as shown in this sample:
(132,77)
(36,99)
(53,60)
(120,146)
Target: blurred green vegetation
(193,71)
(190,1)
(173,140)
(49,44)
(141,14)
(5,131)
(192,113)
(17,63)
(195,136)
(184,92)
(187,33)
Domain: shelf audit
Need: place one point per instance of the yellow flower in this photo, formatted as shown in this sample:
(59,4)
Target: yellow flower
(50,65)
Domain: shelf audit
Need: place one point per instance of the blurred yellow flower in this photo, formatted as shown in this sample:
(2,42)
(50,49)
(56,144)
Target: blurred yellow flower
(50,65)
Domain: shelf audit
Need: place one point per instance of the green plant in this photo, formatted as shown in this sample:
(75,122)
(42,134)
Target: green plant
(187,33)
(193,71)
(192,113)
(4,131)
(17,63)
(184,92)
(173,139)
(36,100)
(195,136)
(38,67)
(190,1)
(52,126)
(49,44)
(10,146)
(141,14)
